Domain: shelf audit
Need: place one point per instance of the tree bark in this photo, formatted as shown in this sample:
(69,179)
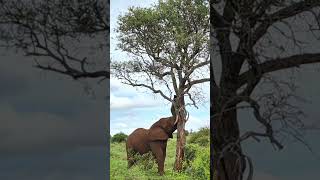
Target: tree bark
(228,163)
(181,141)
(181,138)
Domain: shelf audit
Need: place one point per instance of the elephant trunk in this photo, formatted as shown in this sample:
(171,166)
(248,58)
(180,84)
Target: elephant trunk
(173,110)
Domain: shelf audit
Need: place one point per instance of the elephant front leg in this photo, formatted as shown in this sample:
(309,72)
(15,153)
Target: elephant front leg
(159,154)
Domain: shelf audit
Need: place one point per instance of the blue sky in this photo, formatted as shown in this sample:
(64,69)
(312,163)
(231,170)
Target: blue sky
(133,108)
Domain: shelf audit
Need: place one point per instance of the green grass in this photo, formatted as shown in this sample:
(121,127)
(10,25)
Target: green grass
(119,171)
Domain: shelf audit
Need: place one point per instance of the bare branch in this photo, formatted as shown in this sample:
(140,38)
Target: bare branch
(198,81)
(278,64)
(156,91)
(287,12)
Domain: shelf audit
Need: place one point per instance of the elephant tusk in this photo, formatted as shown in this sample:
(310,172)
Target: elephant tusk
(177,117)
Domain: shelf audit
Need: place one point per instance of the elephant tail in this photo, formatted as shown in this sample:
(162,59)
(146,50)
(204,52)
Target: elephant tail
(130,157)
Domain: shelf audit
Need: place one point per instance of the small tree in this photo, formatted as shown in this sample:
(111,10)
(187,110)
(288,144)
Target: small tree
(119,137)
(168,43)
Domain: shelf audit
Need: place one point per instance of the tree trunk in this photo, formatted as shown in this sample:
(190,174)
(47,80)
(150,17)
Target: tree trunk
(225,131)
(181,137)
(181,141)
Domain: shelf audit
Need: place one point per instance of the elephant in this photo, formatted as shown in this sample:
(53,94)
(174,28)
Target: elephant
(154,139)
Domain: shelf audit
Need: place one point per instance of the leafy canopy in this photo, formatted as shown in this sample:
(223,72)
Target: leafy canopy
(168,43)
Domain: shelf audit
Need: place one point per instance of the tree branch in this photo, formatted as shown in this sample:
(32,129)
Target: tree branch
(269,130)
(198,81)
(75,74)
(278,64)
(287,12)
(156,91)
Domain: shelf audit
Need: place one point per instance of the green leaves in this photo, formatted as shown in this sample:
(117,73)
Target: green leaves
(171,29)
(170,40)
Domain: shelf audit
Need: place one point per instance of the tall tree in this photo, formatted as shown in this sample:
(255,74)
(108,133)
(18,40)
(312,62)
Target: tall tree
(250,41)
(168,44)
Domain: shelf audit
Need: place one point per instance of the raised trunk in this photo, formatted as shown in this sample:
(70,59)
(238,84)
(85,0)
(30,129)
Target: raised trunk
(181,138)
(228,163)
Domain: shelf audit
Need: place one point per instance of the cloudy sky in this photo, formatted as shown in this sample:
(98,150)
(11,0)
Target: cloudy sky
(50,127)
(295,161)
(133,108)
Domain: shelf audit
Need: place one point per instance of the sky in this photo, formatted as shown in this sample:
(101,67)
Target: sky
(133,108)
(50,126)
(295,161)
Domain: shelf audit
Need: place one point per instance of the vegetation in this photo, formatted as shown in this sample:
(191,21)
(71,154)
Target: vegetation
(201,137)
(119,137)
(196,165)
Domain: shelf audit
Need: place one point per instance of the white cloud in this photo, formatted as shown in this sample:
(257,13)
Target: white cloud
(138,101)
(196,123)
(118,88)
(123,125)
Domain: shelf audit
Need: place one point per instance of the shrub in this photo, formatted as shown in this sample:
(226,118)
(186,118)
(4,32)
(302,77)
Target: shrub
(186,132)
(145,161)
(202,137)
(197,161)
(119,137)
(200,166)
(190,152)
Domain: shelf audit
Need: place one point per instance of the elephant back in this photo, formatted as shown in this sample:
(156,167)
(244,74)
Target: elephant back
(138,141)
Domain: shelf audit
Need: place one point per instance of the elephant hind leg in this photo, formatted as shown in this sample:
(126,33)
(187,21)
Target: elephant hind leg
(130,163)
(130,158)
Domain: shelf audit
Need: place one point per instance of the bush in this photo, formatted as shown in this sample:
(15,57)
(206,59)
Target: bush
(200,166)
(145,161)
(190,152)
(202,137)
(119,137)
(186,132)
(197,161)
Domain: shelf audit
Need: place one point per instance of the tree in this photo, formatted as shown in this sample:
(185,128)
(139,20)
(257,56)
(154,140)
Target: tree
(52,31)
(119,137)
(242,32)
(168,43)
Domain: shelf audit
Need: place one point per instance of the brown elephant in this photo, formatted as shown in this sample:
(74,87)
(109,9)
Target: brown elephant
(153,139)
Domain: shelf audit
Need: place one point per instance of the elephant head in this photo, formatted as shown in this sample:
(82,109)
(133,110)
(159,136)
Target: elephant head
(163,129)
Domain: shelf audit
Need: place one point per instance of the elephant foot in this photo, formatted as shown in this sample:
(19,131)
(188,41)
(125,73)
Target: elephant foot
(130,164)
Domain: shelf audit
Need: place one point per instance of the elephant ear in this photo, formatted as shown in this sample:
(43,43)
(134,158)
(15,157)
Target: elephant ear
(157,133)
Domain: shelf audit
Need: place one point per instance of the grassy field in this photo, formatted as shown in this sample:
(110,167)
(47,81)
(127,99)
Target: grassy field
(198,169)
